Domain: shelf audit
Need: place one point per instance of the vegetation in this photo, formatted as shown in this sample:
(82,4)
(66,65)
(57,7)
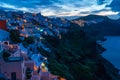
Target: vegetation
(1,78)
(5,55)
(30,40)
(76,57)
(14,36)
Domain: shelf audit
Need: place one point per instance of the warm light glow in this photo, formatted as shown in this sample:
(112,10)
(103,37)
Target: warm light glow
(62,79)
(24,20)
(43,65)
(35,68)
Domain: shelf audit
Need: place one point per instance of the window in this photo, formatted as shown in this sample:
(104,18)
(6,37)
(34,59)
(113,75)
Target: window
(13,76)
(6,43)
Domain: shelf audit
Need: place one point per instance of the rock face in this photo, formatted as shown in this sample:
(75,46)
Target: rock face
(76,57)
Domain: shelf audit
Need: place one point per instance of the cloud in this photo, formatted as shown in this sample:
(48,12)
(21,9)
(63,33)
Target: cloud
(12,7)
(60,7)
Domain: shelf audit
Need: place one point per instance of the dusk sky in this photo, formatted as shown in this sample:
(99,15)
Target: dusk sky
(64,7)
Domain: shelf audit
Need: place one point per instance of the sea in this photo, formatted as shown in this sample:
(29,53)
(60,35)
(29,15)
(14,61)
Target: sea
(112,54)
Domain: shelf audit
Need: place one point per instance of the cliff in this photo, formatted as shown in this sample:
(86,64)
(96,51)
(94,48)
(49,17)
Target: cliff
(77,57)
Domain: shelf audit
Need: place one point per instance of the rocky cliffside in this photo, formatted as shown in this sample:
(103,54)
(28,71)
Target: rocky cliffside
(77,56)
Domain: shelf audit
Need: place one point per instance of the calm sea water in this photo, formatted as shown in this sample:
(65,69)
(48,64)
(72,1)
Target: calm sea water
(113,50)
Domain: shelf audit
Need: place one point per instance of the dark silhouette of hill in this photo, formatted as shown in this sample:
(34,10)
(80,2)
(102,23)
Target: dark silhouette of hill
(101,24)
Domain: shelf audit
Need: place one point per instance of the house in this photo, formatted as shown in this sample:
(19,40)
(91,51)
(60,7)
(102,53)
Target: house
(30,64)
(17,67)
(2,15)
(24,33)
(14,49)
(3,24)
(13,68)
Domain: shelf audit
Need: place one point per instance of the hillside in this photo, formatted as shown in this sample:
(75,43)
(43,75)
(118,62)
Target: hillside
(77,57)
(92,17)
(100,24)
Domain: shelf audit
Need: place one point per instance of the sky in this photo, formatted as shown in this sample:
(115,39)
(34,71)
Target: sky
(64,7)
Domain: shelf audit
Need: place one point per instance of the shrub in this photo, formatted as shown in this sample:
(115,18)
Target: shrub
(5,55)
(14,36)
(30,40)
